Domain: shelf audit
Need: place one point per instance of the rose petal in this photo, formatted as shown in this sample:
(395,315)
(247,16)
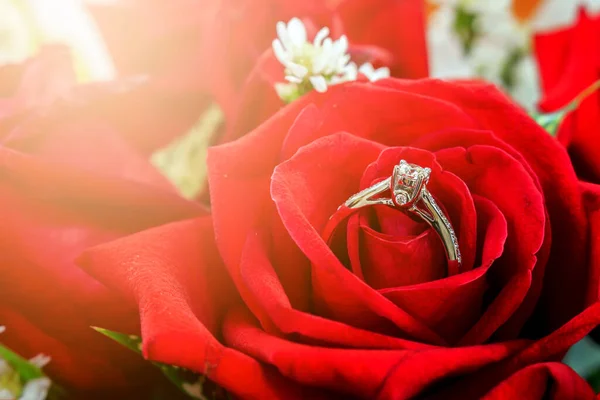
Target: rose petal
(40,81)
(565,78)
(89,145)
(302,212)
(97,194)
(344,110)
(89,367)
(534,383)
(392,263)
(549,348)
(276,314)
(363,373)
(374,23)
(175,276)
(482,167)
(453,305)
(236,168)
(452,194)
(259,84)
(492,110)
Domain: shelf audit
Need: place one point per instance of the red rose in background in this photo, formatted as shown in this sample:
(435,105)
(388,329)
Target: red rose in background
(212,47)
(70,179)
(146,115)
(569,62)
(377,315)
(374,36)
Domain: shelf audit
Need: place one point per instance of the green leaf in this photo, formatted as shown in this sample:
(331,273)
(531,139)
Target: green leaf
(508,73)
(132,342)
(26,371)
(22,366)
(552,121)
(188,382)
(466,28)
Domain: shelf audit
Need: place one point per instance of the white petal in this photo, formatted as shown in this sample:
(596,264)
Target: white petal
(194,390)
(293,79)
(342,62)
(350,72)
(343,44)
(319,62)
(319,83)
(36,389)
(285,90)
(327,57)
(321,35)
(280,53)
(296,69)
(366,69)
(2,328)
(283,35)
(297,32)
(380,73)
(327,46)
(40,360)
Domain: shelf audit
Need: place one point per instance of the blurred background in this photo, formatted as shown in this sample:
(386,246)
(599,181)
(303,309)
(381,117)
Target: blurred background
(500,52)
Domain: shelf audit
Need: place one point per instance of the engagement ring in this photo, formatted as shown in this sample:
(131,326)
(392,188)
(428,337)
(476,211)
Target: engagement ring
(408,193)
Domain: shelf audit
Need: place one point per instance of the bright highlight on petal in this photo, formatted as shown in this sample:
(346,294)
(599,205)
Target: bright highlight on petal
(317,64)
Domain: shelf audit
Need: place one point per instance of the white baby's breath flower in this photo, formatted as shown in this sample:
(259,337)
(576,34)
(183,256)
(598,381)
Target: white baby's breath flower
(317,64)
(373,74)
(12,386)
(194,390)
(40,361)
(36,389)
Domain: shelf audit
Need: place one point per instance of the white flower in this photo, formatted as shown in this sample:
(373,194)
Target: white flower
(317,64)
(494,50)
(36,389)
(194,390)
(11,384)
(373,74)
(40,361)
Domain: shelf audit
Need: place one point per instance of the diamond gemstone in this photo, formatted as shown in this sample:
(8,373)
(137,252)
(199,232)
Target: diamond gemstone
(408,174)
(408,181)
(401,199)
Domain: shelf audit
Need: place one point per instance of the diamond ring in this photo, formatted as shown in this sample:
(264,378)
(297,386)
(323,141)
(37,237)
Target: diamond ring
(408,189)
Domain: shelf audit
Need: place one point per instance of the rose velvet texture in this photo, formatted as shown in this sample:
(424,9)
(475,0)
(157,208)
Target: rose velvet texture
(569,62)
(377,314)
(70,179)
(214,47)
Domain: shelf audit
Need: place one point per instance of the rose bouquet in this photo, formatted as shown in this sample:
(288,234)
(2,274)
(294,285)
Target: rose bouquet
(271,200)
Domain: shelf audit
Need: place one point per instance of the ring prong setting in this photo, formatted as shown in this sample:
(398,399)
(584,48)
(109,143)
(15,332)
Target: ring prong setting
(408,180)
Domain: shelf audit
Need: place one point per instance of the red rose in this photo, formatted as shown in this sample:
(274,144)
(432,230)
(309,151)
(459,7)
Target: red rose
(569,62)
(148,113)
(213,47)
(377,315)
(69,180)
